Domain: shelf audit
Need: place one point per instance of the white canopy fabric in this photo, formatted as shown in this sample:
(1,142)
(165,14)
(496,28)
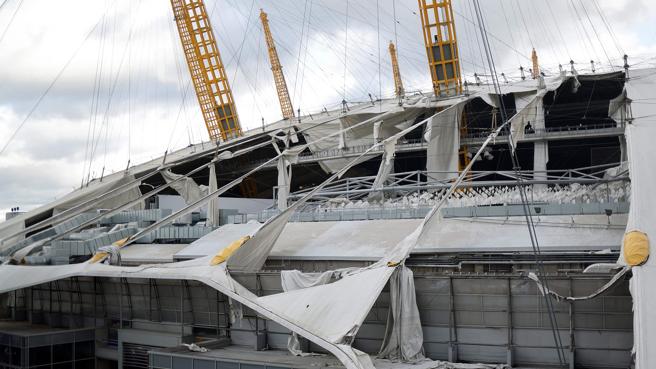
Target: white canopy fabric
(386,167)
(187,187)
(530,110)
(443,143)
(294,280)
(640,134)
(404,338)
(217,277)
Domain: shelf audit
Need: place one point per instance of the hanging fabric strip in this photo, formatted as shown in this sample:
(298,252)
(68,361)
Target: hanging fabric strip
(404,338)
(545,291)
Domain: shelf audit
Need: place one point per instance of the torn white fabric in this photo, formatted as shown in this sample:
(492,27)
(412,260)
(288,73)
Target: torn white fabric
(16,277)
(404,338)
(386,167)
(540,160)
(236,311)
(443,143)
(640,133)
(187,188)
(295,280)
(530,112)
(546,291)
(617,108)
(332,310)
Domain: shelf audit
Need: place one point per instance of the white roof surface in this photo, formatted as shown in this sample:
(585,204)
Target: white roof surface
(139,253)
(370,239)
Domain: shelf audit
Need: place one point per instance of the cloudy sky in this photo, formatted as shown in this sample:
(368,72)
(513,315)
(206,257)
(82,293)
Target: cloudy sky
(87,85)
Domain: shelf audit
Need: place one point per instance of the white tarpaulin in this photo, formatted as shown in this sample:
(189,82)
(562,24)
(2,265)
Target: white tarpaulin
(187,187)
(529,111)
(295,280)
(333,311)
(640,134)
(404,339)
(386,167)
(443,143)
(17,277)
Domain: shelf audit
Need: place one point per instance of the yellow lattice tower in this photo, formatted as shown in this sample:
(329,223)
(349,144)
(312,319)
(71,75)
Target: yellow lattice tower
(398,83)
(207,72)
(278,77)
(441,46)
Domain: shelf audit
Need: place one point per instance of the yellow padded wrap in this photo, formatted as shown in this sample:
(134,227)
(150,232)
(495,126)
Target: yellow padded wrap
(636,248)
(100,256)
(121,242)
(224,254)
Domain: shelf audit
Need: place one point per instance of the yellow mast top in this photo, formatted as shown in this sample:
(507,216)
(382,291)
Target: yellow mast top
(441,46)
(278,77)
(398,83)
(206,68)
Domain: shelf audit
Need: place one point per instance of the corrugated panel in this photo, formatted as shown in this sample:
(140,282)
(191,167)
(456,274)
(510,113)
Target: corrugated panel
(136,356)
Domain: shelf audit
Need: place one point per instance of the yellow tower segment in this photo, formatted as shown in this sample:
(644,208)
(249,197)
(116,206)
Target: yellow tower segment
(276,68)
(398,83)
(441,46)
(206,68)
(536,65)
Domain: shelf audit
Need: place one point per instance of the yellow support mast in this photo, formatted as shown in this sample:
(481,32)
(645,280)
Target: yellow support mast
(443,60)
(441,46)
(398,83)
(276,68)
(206,68)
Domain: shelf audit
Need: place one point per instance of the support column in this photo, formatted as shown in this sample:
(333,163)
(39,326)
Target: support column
(540,160)
(213,206)
(284,181)
(509,349)
(540,148)
(288,157)
(572,343)
(453,327)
